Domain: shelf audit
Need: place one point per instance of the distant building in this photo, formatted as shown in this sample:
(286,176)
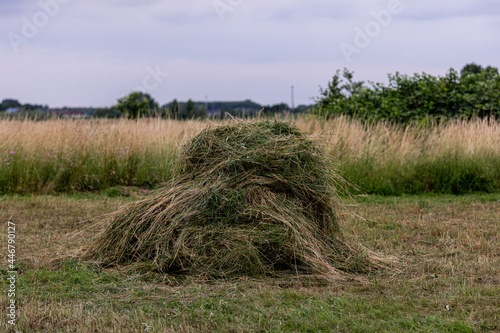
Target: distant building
(12,110)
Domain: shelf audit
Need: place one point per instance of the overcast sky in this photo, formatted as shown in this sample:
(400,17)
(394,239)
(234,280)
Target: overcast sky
(89,53)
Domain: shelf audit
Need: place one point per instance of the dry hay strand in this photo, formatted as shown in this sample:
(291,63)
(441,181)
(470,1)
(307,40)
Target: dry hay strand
(249,198)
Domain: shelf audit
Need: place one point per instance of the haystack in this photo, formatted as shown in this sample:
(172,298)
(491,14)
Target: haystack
(249,198)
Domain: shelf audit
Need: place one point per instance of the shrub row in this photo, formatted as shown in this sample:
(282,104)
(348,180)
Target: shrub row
(421,97)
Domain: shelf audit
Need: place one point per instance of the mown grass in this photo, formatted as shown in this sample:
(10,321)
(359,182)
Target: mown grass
(449,280)
(45,157)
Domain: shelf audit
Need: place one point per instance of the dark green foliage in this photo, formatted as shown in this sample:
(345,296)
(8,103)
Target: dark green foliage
(174,109)
(219,110)
(35,107)
(108,113)
(26,111)
(190,108)
(277,108)
(235,108)
(247,199)
(422,97)
(474,68)
(214,109)
(136,104)
(446,175)
(9,103)
(28,115)
(184,111)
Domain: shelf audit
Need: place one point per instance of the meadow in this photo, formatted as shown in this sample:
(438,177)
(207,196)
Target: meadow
(54,156)
(435,198)
(449,247)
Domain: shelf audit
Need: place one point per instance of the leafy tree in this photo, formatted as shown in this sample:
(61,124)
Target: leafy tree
(339,89)
(190,109)
(474,68)
(277,108)
(222,114)
(153,106)
(35,107)
(136,104)
(201,111)
(107,113)
(491,70)
(420,97)
(175,109)
(471,68)
(302,108)
(9,103)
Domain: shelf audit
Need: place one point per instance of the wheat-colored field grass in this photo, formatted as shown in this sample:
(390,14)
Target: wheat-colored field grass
(67,155)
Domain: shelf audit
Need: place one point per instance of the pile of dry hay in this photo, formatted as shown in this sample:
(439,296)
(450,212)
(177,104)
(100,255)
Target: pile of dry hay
(249,198)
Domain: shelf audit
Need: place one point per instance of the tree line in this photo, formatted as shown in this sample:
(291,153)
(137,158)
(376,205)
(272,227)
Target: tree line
(474,92)
(139,104)
(9,104)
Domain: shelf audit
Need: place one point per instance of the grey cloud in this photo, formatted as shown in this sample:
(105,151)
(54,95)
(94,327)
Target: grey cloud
(432,10)
(95,50)
(15,8)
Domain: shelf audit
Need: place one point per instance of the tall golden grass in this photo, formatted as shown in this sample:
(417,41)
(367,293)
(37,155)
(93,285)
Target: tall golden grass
(351,139)
(62,154)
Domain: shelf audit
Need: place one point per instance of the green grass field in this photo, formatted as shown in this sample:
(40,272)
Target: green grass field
(449,279)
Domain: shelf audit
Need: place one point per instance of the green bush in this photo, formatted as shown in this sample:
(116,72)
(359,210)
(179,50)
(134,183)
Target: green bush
(422,97)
